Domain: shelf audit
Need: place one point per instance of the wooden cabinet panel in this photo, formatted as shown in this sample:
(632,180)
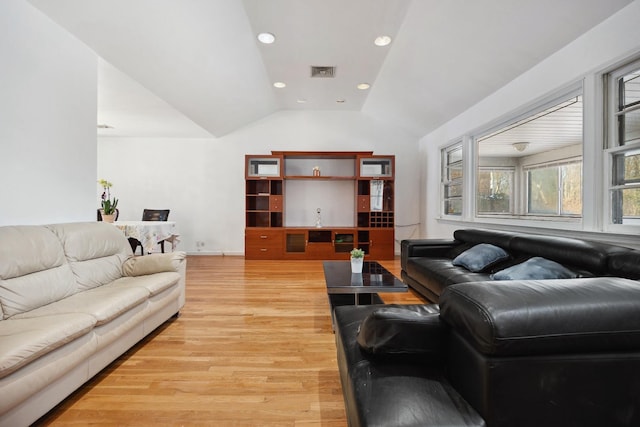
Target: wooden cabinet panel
(275,203)
(381,244)
(363,203)
(263,243)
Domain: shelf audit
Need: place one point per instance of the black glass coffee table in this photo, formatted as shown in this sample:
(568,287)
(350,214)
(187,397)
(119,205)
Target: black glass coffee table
(346,288)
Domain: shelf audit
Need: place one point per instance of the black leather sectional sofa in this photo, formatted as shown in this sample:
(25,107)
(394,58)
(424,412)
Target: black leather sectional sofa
(499,353)
(427,264)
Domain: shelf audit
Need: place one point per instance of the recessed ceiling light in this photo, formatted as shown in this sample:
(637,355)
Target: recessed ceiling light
(382,40)
(280,85)
(266,38)
(301,101)
(363,86)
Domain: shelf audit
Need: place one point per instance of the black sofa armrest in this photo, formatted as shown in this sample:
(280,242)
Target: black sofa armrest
(515,318)
(425,248)
(412,330)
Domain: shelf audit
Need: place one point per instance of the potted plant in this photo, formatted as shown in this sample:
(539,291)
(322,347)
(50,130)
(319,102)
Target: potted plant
(357,259)
(109,206)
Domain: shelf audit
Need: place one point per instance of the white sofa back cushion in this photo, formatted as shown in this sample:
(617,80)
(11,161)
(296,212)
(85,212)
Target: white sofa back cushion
(33,269)
(95,251)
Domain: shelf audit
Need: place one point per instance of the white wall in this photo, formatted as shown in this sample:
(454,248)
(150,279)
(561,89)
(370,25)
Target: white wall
(605,45)
(202,180)
(47,120)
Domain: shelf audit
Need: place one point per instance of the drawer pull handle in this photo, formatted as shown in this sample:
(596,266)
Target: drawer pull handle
(264,237)
(263,250)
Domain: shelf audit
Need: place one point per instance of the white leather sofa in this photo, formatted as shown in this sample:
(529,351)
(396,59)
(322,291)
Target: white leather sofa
(72,299)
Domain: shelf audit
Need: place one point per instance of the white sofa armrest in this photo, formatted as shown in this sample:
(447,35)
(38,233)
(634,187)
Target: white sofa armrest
(154,263)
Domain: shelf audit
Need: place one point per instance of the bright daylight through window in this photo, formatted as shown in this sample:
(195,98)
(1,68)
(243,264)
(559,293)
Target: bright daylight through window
(532,167)
(624,144)
(452,179)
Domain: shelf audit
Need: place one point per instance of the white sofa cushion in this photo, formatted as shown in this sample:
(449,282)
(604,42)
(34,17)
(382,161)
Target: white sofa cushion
(104,303)
(155,283)
(24,340)
(95,261)
(33,269)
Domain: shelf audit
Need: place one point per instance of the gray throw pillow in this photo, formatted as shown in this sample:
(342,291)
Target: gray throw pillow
(533,269)
(480,257)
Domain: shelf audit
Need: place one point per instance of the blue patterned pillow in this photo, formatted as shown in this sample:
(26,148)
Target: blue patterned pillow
(535,268)
(480,257)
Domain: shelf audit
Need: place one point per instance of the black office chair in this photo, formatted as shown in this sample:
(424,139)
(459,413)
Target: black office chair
(115,217)
(150,215)
(155,215)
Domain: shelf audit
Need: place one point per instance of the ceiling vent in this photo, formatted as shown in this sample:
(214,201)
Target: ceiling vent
(323,72)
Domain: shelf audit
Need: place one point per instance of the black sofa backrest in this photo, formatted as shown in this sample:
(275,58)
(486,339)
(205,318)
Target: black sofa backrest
(584,254)
(523,318)
(625,264)
(593,257)
(496,238)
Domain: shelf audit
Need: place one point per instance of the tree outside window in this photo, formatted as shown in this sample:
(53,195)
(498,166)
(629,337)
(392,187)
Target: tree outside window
(495,191)
(555,190)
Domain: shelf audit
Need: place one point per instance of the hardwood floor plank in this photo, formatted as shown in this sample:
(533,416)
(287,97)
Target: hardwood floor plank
(253,346)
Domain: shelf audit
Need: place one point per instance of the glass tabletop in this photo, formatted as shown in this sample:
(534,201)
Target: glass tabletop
(373,279)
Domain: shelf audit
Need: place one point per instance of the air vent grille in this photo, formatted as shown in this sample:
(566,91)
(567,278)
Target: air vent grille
(323,71)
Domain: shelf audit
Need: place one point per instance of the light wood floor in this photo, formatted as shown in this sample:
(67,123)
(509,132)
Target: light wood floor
(253,346)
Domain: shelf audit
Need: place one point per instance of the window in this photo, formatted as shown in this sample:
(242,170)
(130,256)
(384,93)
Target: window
(555,189)
(452,180)
(532,165)
(495,190)
(623,144)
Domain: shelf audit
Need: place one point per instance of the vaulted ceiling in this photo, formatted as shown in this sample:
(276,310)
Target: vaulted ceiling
(194,68)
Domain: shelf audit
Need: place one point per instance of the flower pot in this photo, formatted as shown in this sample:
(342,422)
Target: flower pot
(356,265)
(108,218)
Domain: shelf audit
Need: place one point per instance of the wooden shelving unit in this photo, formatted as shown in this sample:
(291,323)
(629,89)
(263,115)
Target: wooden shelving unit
(267,235)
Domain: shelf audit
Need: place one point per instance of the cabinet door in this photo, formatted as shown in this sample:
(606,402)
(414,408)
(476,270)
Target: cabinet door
(263,166)
(376,166)
(381,244)
(343,242)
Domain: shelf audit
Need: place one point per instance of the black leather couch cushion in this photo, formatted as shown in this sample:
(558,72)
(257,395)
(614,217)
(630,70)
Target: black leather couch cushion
(414,331)
(381,393)
(441,272)
(545,316)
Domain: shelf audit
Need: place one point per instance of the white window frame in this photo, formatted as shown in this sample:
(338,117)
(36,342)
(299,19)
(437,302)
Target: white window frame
(558,164)
(445,182)
(612,146)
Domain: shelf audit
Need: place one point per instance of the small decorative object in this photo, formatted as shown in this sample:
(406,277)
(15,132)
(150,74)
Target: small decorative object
(109,206)
(316,171)
(318,219)
(357,259)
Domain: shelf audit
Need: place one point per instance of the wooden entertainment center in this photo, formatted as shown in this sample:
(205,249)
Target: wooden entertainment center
(357,186)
